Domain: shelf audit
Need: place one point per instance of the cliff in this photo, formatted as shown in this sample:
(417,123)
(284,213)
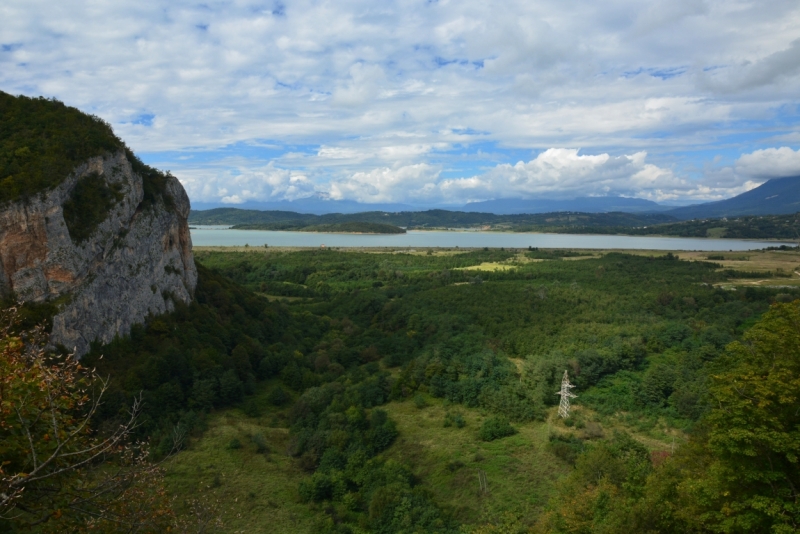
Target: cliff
(109,245)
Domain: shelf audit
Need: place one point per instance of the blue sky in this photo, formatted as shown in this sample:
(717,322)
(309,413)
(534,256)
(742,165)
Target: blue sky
(428,102)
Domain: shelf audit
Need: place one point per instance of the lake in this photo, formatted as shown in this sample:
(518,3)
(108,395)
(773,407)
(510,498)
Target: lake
(224,237)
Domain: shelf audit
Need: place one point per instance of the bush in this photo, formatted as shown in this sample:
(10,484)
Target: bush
(231,389)
(278,397)
(496,428)
(454,419)
(565,446)
(260,442)
(234,444)
(251,408)
(420,402)
(88,205)
(317,488)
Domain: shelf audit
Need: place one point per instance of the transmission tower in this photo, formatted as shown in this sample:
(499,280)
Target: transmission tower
(566,395)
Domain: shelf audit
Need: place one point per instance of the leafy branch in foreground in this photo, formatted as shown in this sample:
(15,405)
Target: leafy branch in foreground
(56,471)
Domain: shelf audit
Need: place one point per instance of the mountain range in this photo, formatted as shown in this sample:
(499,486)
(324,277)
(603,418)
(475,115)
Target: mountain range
(775,197)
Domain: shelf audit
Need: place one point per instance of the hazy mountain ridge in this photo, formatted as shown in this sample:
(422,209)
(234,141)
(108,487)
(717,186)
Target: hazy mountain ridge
(775,197)
(779,196)
(273,220)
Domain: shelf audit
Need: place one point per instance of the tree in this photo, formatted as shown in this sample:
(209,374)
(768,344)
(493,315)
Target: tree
(57,473)
(751,455)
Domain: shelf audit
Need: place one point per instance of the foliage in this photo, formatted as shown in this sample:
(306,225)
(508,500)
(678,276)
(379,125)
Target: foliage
(88,205)
(495,428)
(640,337)
(751,447)
(738,473)
(204,355)
(42,141)
(56,473)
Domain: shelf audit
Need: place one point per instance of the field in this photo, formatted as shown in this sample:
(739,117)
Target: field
(257,491)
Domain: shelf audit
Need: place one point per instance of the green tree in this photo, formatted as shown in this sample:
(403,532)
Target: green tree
(750,460)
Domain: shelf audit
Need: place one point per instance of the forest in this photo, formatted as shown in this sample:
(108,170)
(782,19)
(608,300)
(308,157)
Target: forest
(355,391)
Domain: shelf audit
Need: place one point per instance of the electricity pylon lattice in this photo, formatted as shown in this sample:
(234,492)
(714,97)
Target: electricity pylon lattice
(566,395)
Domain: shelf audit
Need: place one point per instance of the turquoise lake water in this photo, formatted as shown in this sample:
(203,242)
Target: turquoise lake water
(222,236)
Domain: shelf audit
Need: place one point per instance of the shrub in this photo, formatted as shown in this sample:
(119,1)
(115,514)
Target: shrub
(278,397)
(454,419)
(565,446)
(260,442)
(231,389)
(251,408)
(88,205)
(496,428)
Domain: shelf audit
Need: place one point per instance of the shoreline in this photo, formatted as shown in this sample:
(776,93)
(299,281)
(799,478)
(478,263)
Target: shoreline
(502,232)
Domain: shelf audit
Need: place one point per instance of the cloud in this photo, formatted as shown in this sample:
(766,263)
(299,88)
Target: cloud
(769,163)
(409,183)
(360,96)
(564,173)
(554,173)
(266,183)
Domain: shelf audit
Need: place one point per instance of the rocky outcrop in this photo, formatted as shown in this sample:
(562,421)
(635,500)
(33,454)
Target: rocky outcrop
(137,261)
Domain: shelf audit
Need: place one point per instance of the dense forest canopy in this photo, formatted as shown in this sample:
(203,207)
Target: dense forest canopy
(644,339)
(42,141)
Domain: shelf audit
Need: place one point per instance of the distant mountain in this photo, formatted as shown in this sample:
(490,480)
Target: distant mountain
(285,220)
(779,196)
(507,206)
(314,205)
(504,206)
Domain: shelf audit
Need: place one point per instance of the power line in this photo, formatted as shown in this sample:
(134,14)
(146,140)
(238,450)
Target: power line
(566,395)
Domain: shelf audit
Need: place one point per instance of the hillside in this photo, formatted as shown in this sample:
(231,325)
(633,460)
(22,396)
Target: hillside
(280,220)
(510,206)
(775,197)
(350,227)
(42,141)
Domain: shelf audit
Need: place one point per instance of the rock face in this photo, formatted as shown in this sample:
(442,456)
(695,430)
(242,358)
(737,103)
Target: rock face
(138,261)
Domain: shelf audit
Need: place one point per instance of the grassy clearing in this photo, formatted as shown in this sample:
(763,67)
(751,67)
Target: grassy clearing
(488,266)
(753,261)
(257,492)
(521,474)
(520,471)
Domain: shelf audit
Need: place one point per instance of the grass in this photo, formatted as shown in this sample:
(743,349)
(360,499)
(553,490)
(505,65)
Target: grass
(257,492)
(521,474)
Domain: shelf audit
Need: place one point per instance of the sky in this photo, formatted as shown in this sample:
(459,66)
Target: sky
(428,102)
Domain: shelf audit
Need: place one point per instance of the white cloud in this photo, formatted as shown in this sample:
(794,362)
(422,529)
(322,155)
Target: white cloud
(562,172)
(266,183)
(762,165)
(371,100)
(409,183)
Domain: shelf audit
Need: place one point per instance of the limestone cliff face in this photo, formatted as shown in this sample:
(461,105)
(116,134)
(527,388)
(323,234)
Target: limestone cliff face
(137,261)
